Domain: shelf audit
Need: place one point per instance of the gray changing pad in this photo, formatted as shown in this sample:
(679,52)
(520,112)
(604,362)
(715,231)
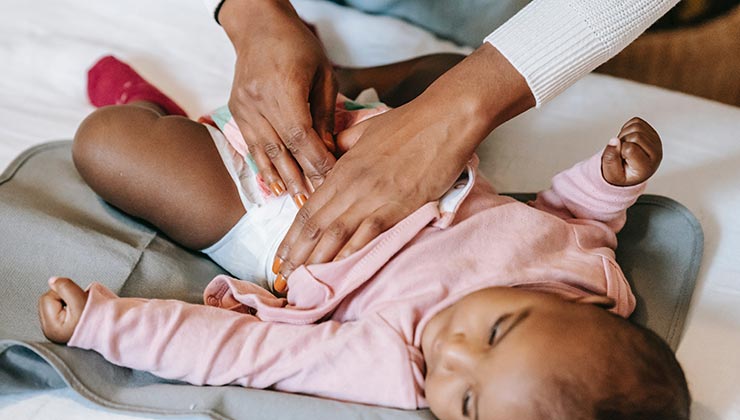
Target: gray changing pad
(53,224)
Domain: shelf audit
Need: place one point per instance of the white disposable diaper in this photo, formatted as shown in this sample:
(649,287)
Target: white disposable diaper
(248,250)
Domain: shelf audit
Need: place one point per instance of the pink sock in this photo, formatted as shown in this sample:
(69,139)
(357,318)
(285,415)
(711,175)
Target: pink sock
(113,82)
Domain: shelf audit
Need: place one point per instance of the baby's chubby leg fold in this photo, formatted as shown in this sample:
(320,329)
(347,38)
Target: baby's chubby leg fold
(163,169)
(60,309)
(141,153)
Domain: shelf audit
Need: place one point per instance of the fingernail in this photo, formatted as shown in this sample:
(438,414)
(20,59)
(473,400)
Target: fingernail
(613,141)
(276,263)
(300,200)
(53,280)
(280,285)
(328,139)
(277,188)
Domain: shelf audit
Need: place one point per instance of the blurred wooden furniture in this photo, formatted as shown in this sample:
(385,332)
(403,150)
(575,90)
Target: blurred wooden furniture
(702,60)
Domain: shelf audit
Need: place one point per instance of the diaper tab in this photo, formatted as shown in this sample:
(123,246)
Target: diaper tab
(454,197)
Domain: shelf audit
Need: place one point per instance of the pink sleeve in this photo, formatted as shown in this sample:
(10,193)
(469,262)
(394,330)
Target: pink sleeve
(204,345)
(582,193)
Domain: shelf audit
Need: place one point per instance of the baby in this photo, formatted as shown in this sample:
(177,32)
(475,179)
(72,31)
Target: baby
(477,306)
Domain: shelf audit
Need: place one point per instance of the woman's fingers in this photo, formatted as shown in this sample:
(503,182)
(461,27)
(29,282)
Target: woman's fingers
(334,231)
(322,101)
(262,144)
(337,233)
(282,172)
(305,230)
(396,166)
(284,145)
(292,121)
(405,158)
(327,238)
(370,228)
(283,92)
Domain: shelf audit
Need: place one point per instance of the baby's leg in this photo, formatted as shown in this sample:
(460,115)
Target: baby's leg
(397,83)
(163,169)
(167,170)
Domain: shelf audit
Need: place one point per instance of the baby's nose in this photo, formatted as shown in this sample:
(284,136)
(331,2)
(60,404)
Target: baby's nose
(458,354)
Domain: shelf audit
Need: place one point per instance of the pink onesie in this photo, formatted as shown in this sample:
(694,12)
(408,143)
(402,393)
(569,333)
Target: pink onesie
(351,330)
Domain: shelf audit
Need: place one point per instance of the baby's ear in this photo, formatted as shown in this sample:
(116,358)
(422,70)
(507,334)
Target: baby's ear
(601,301)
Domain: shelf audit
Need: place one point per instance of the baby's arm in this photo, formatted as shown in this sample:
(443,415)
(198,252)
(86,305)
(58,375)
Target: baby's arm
(207,345)
(604,186)
(176,340)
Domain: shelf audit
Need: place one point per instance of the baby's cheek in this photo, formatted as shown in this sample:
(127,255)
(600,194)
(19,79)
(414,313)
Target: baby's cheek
(437,394)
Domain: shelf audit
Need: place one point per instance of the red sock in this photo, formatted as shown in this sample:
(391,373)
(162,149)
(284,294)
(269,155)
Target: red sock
(113,82)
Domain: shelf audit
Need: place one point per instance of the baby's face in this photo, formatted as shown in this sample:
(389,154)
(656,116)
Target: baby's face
(487,354)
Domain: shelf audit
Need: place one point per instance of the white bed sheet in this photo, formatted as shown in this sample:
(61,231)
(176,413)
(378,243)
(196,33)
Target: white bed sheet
(47,45)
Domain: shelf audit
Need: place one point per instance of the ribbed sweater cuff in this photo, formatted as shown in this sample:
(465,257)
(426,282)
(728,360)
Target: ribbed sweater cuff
(553,43)
(550,45)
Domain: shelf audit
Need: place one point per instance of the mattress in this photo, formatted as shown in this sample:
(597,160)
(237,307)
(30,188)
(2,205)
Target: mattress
(46,46)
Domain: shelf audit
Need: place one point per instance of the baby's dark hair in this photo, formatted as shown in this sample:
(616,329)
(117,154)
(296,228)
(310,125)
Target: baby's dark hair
(656,389)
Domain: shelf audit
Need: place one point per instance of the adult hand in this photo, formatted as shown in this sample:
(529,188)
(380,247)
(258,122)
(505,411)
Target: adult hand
(283,93)
(402,159)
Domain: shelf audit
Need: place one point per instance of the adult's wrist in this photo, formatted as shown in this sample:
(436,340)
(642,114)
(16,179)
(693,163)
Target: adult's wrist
(479,94)
(239,17)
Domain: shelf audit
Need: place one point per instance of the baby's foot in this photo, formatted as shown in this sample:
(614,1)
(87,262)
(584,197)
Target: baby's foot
(633,156)
(113,82)
(60,309)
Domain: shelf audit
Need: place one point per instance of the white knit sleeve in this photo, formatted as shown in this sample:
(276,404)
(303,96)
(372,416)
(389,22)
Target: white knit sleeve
(553,43)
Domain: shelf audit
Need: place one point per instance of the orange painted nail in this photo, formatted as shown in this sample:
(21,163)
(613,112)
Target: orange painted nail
(280,285)
(329,141)
(276,263)
(277,188)
(300,200)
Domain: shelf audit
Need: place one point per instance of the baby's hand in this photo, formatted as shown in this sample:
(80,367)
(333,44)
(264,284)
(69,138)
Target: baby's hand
(60,309)
(633,156)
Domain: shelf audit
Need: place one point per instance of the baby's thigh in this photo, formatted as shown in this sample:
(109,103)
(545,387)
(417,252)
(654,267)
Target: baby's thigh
(165,170)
